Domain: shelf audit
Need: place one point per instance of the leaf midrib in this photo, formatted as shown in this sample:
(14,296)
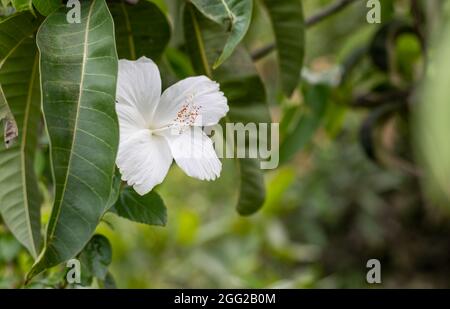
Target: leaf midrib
(229,12)
(83,68)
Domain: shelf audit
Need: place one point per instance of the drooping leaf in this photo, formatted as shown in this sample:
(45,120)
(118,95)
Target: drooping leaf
(233,15)
(95,259)
(19,94)
(301,128)
(247,100)
(243,88)
(289,28)
(252,193)
(78,77)
(141,29)
(46,7)
(148,209)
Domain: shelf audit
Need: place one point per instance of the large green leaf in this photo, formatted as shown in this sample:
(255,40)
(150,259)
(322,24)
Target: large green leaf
(233,15)
(78,77)
(289,29)
(46,7)
(148,209)
(246,96)
(252,193)
(19,89)
(141,29)
(303,121)
(243,88)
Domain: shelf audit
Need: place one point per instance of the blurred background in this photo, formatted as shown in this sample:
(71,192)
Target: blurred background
(353,191)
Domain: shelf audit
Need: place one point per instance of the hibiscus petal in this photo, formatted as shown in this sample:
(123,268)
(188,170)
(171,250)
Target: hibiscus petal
(138,93)
(192,101)
(194,153)
(144,160)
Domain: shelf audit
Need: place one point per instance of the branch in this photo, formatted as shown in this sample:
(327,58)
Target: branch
(309,22)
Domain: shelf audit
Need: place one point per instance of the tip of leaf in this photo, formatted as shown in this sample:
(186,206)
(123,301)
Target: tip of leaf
(37,268)
(216,65)
(219,61)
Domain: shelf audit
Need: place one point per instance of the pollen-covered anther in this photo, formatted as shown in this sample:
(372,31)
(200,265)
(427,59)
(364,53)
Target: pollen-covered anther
(188,114)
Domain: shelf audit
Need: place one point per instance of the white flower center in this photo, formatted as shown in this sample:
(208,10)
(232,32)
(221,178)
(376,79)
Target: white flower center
(186,117)
(188,113)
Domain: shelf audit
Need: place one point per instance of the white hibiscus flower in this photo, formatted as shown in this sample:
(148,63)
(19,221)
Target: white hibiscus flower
(155,128)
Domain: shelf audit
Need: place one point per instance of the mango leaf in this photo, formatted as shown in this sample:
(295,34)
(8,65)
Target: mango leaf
(233,15)
(289,28)
(243,88)
(252,193)
(141,29)
(46,7)
(148,209)
(22,5)
(95,259)
(301,128)
(19,94)
(78,78)
(246,98)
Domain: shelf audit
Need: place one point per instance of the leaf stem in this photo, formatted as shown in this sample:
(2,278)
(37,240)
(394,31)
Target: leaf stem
(201,46)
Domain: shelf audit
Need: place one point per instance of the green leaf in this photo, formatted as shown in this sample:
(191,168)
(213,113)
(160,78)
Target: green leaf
(304,124)
(289,28)
(95,259)
(46,7)
(78,77)
(233,15)
(22,5)
(141,29)
(252,193)
(19,89)
(148,209)
(243,88)
(246,97)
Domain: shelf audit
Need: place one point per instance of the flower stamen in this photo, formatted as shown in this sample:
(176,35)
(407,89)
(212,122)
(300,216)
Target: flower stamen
(188,114)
